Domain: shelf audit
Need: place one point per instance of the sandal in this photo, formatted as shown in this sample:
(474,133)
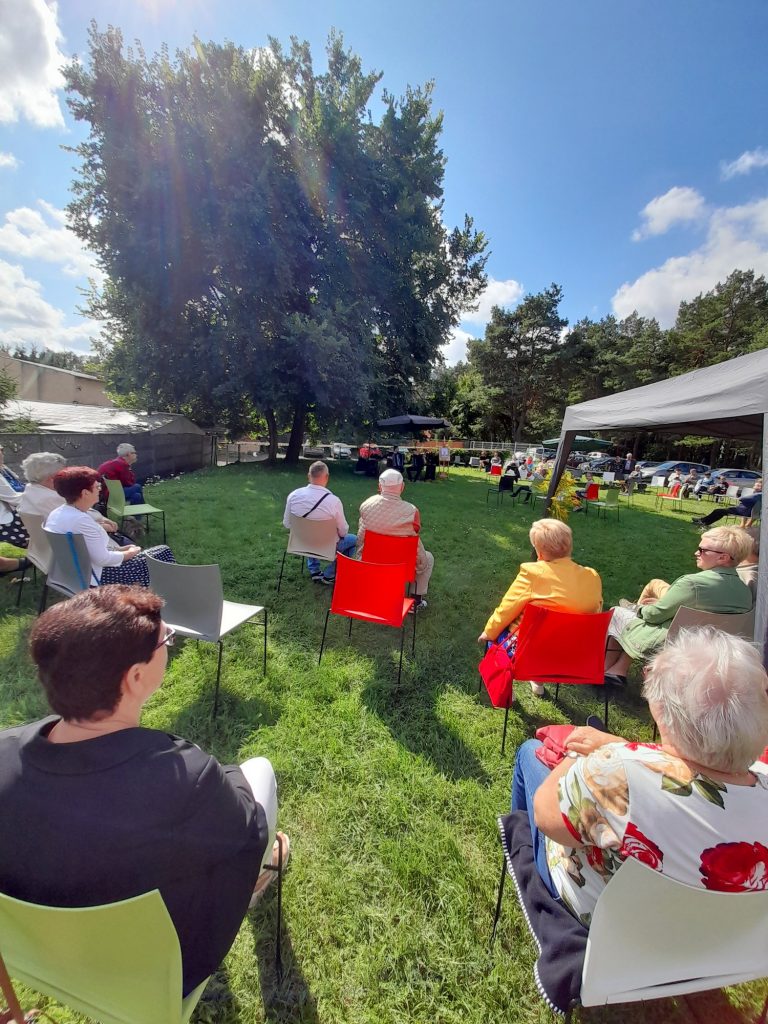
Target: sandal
(267,876)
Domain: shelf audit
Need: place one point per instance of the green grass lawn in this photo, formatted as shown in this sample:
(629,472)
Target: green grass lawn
(390,796)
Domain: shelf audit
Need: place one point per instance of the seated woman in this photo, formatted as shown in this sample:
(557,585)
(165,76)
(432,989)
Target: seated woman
(11,527)
(748,507)
(554,581)
(40,497)
(112,810)
(639,630)
(688,806)
(79,486)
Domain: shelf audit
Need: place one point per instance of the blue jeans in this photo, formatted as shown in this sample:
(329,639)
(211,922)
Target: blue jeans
(134,494)
(528,774)
(345,547)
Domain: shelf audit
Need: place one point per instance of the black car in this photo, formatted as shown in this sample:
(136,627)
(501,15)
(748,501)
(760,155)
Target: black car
(607,464)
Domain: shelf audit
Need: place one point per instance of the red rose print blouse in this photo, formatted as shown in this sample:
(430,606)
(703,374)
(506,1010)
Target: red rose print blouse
(635,800)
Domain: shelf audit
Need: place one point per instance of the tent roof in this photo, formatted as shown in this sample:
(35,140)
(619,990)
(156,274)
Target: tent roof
(725,400)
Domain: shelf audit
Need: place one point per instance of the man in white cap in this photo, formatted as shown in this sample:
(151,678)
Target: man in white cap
(387,513)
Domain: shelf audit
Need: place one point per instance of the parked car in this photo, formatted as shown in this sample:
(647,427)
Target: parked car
(605,464)
(340,451)
(737,477)
(596,455)
(665,469)
(647,463)
(314,451)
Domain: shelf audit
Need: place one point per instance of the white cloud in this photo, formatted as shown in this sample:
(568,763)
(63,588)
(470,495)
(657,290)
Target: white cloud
(750,160)
(456,349)
(737,238)
(30,62)
(677,206)
(31,234)
(27,318)
(497,293)
(8,160)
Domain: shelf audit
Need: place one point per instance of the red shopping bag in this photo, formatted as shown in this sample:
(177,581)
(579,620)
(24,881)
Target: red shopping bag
(496,672)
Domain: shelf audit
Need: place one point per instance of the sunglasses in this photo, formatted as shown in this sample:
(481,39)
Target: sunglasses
(712,551)
(168,639)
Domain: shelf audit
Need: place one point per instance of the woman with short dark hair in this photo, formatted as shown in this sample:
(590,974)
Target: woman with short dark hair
(79,486)
(95,809)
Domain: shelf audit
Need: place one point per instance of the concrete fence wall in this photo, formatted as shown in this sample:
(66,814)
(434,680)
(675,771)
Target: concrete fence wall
(159,454)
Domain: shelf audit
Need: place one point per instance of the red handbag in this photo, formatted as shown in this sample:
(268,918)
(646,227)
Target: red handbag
(553,739)
(496,672)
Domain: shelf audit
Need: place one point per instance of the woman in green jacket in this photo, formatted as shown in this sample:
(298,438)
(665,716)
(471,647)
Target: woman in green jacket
(639,630)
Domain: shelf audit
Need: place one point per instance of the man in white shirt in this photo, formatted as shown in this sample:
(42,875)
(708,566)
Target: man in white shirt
(315,501)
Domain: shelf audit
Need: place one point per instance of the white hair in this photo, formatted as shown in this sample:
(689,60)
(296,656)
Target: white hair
(125,448)
(40,465)
(730,539)
(709,693)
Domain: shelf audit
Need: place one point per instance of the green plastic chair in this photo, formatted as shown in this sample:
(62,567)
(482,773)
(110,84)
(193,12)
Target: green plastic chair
(117,964)
(117,509)
(609,501)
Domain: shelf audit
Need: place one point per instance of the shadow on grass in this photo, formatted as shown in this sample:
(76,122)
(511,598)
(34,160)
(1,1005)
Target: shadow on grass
(290,999)
(712,1005)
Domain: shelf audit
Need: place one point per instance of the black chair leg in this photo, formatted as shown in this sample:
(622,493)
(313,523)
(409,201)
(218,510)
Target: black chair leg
(322,642)
(402,642)
(18,592)
(605,707)
(557,691)
(498,901)
(165,539)
(43,599)
(218,679)
(504,734)
(349,631)
(282,566)
(264,670)
(278,928)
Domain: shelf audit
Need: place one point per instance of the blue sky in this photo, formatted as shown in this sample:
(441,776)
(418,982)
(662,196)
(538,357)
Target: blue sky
(617,147)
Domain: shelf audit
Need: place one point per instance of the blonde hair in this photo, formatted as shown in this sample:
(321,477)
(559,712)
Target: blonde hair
(708,691)
(732,540)
(552,537)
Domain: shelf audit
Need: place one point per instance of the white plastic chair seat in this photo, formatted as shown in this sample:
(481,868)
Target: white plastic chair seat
(232,616)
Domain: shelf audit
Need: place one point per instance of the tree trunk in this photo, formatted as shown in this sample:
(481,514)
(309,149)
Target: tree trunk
(269,416)
(297,435)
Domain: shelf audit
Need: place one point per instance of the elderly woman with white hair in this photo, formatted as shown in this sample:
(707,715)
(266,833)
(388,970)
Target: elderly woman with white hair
(554,581)
(40,497)
(638,630)
(690,806)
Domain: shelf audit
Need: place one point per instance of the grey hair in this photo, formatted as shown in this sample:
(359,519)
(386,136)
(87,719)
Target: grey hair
(709,693)
(39,465)
(317,469)
(125,448)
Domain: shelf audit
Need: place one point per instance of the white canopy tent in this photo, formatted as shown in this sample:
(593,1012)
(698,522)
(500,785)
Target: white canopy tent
(725,400)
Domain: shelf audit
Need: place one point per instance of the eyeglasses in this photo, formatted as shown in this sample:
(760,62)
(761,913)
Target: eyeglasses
(167,640)
(711,551)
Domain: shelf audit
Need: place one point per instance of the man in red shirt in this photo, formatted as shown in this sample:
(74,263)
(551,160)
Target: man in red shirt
(120,469)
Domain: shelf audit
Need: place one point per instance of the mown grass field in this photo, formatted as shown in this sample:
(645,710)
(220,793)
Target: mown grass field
(390,796)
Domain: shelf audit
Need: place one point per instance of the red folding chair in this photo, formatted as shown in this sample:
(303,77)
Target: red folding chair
(371,593)
(495,470)
(386,550)
(674,495)
(560,647)
(592,494)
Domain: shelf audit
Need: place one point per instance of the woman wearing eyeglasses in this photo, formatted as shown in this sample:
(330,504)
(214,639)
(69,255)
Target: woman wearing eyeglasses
(95,809)
(637,631)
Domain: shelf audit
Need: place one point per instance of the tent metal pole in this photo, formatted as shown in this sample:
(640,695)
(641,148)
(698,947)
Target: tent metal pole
(761,601)
(567,437)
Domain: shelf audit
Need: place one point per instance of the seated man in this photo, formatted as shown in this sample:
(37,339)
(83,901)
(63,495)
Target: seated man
(748,508)
(120,469)
(111,810)
(387,513)
(611,799)
(315,501)
(749,566)
(639,630)
(416,465)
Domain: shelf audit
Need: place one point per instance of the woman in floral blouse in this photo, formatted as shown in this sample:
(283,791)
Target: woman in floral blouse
(689,806)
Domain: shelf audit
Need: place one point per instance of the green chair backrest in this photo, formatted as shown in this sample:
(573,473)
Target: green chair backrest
(611,496)
(116,498)
(117,964)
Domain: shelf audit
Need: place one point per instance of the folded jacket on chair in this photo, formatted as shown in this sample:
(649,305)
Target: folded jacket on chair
(553,739)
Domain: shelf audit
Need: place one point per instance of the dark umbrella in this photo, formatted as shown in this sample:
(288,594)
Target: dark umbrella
(415,422)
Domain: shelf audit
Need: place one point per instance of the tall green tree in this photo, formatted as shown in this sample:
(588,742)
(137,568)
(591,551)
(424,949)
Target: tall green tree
(267,246)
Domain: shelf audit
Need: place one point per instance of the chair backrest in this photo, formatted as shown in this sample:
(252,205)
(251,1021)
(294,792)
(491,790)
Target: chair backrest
(658,481)
(757,508)
(732,491)
(608,478)
(369,591)
(495,470)
(115,498)
(561,647)
(474,461)
(38,550)
(65,573)
(674,490)
(385,550)
(193,595)
(701,939)
(630,485)
(736,624)
(747,492)
(611,496)
(117,964)
(593,492)
(313,538)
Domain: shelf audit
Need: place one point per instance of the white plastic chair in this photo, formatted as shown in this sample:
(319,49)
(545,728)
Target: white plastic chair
(38,550)
(737,624)
(195,606)
(310,538)
(658,481)
(675,938)
(608,478)
(732,492)
(70,569)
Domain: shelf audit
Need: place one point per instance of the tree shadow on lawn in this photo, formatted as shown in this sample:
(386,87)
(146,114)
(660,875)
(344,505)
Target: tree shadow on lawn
(409,712)
(289,999)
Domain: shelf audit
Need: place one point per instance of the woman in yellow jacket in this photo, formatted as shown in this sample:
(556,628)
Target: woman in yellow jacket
(554,581)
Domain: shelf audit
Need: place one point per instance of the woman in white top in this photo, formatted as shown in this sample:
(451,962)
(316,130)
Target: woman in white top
(80,486)
(40,497)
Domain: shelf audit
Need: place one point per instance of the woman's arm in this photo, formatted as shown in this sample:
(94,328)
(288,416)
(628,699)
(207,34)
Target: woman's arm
(8,495)
(97,542)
